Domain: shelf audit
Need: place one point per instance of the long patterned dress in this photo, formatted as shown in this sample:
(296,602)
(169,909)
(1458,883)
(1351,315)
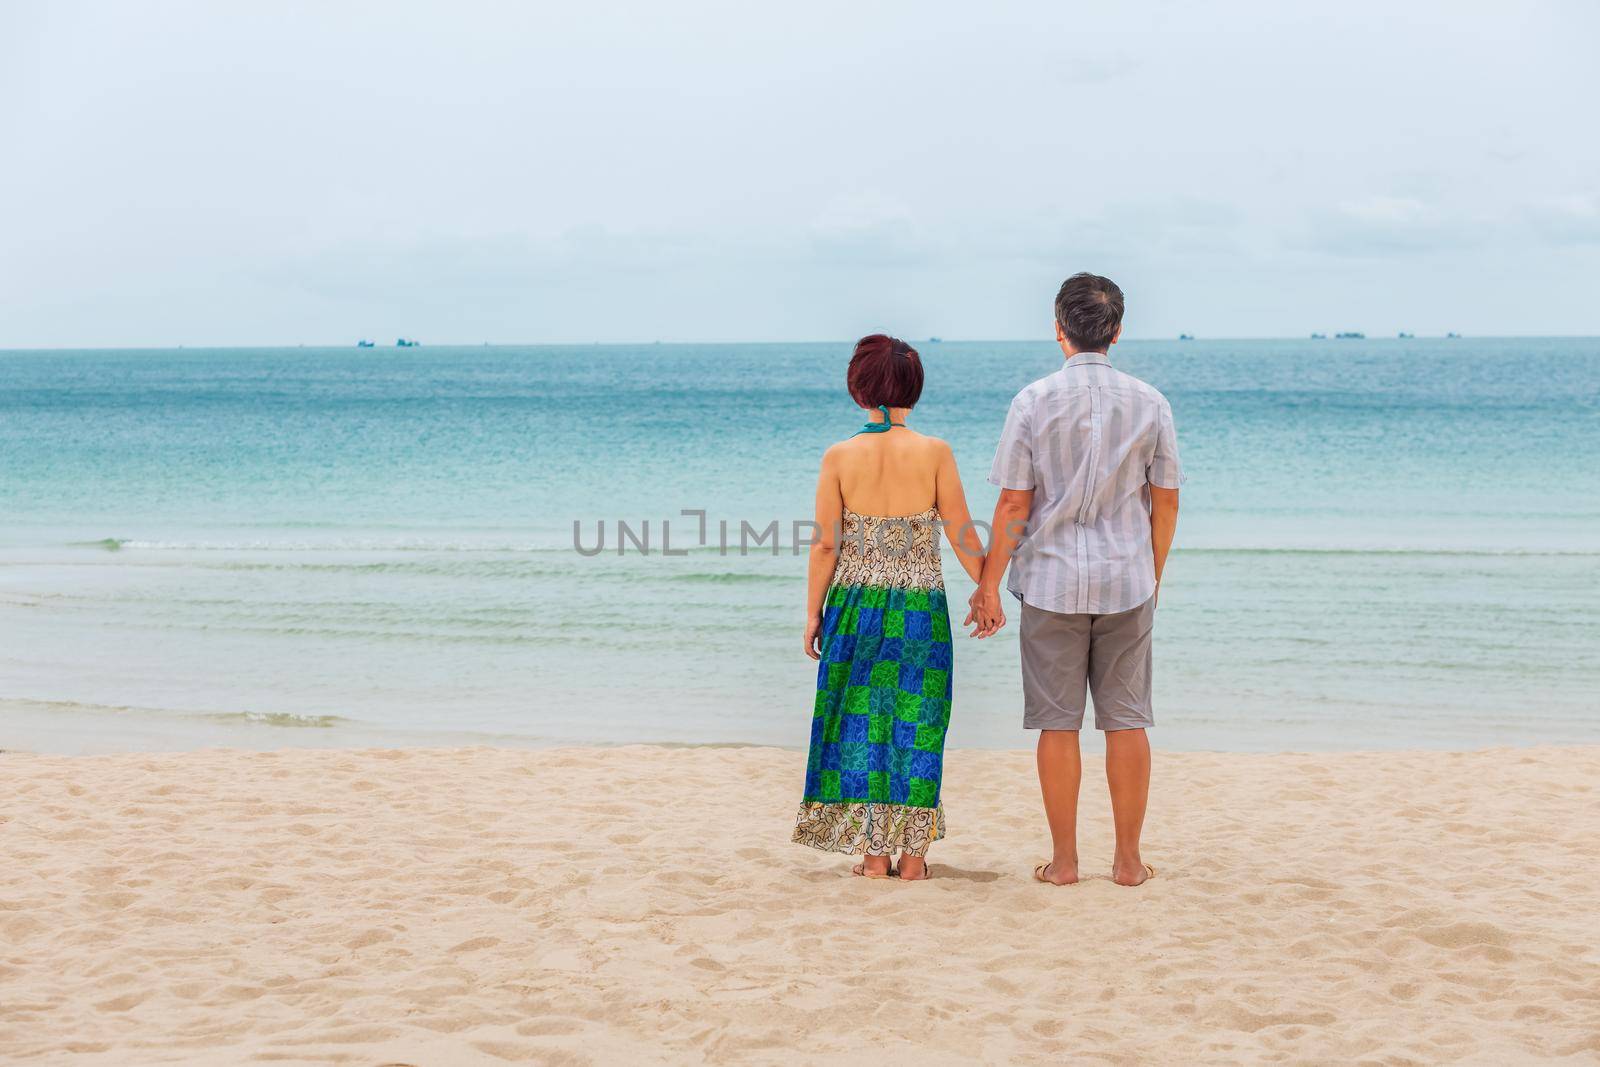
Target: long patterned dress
(883,693)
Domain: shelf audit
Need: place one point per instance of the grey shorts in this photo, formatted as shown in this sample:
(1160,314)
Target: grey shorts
(1109,655)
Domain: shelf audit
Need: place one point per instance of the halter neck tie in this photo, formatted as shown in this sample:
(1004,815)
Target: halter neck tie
(878,427)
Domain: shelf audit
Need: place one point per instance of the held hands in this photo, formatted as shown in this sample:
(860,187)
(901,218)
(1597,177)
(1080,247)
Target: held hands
(813,627)
(985,614)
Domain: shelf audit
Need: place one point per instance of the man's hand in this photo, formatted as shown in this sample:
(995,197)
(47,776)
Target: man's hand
(1011,513)
(984,612)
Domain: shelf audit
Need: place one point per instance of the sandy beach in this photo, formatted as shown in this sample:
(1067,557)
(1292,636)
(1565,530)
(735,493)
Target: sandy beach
(644,905)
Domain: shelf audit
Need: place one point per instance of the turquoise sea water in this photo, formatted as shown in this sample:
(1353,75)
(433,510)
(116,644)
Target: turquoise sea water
(1383,543)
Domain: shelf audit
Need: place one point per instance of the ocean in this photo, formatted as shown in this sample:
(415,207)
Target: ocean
(1383,543)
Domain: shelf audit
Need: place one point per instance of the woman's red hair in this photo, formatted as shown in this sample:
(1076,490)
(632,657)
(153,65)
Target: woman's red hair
(884,370)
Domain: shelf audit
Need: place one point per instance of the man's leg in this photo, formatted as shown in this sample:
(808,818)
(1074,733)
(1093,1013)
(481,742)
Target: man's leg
(1128,775)
(1060,772)
(1119,676)
(1055,661)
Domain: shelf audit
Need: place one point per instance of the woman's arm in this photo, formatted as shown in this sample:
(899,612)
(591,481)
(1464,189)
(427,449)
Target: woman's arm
(951,501)
(824,550)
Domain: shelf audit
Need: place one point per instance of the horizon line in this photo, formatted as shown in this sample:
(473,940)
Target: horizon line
(391,346)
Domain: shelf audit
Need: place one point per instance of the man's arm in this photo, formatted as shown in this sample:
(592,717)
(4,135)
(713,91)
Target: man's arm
(1165,474)
(1010,520)
(1013,473)
(1163,524)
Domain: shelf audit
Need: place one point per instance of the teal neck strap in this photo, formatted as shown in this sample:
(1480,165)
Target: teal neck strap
(878,427)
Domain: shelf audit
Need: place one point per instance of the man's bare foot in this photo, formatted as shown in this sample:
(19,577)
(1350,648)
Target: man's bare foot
(913,869)
(872,867)
(1131,872)
(1057,873)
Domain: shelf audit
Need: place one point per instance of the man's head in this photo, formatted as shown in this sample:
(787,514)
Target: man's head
(1088,313)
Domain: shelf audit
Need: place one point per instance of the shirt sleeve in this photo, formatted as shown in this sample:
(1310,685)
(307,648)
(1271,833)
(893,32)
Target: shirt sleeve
(1165,470)
(1013,458)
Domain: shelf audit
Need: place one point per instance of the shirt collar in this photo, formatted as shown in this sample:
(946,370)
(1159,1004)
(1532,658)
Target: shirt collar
(1085,358)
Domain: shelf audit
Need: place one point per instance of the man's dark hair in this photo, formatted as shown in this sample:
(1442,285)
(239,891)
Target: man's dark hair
(884,370)
(1089,311)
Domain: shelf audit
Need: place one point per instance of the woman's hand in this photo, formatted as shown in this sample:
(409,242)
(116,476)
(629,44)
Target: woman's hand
(985,614)
(813,629)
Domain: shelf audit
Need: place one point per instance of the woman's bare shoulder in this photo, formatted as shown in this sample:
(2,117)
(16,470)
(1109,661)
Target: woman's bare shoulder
(840,453)
(839,448)
(936,446)
(932,448)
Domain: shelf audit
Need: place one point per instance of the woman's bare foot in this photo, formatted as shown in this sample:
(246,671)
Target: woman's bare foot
(913,869)
(1131,872)
(872,867)
(1057,872)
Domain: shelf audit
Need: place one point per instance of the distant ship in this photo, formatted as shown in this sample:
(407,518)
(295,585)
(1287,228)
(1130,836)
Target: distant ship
(363,343)
(935,340)
(1406,336)
(1319,337)
(1455,335)
(406,342)
(1351,335)
(1186,337)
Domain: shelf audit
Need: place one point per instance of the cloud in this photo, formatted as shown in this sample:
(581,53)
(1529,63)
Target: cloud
(866,227)
(1573,219)
(1383,225)
(1174,227)
(1387,211)
(1388,225)
(458,263)
(1094,70)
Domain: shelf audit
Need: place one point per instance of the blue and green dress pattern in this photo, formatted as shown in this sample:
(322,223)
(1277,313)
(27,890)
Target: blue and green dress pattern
(883,693)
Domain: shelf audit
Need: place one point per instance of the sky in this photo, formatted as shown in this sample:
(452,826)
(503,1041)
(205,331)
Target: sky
(282,173)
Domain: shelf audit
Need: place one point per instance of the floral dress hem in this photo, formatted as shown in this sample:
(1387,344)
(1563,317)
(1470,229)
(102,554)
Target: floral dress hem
(869,829)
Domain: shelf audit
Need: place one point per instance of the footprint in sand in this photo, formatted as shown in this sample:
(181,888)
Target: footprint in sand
(369,937)
(122,1003)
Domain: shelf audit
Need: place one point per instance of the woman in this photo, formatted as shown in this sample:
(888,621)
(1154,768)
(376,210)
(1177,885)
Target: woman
(877,622)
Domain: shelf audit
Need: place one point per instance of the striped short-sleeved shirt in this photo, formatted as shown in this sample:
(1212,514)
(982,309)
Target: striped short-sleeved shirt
(1089,441)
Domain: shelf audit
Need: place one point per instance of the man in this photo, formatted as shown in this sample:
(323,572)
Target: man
(1088,467)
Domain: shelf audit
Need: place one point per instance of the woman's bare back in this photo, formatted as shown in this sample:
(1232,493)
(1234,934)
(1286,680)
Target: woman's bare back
(893,473)
(890,474)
